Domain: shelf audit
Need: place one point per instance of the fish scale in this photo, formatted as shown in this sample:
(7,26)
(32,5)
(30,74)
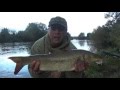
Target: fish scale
(57,61)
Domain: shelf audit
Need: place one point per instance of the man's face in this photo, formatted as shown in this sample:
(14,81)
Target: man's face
(57,34)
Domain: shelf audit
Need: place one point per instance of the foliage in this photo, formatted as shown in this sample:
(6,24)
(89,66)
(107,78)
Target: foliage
(81,36)
(109,69)
(100,37)
(88,36)
(108,35)
(33,32)
(4,35)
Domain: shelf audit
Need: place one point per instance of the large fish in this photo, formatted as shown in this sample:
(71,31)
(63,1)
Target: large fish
(59,61)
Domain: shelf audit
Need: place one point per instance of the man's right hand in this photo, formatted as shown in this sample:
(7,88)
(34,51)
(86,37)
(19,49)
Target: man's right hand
(35,65)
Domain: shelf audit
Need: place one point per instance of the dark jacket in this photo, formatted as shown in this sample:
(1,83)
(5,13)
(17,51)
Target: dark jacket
(43,46)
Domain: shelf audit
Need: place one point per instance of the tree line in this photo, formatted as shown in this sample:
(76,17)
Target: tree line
(82,36)
(108,35)
(32,32)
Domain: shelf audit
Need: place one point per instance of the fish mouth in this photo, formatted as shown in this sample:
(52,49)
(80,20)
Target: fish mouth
(99,62)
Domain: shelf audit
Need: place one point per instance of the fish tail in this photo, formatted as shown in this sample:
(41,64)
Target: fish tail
(18,66)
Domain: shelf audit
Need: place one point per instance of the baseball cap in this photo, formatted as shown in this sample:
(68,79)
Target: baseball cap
(58,21)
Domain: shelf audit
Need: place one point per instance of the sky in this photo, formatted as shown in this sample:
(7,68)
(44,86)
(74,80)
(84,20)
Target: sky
(77,22)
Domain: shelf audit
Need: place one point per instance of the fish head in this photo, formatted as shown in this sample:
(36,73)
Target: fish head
(93,58)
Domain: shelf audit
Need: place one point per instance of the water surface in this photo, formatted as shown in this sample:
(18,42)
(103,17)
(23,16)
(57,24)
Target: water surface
(23,49)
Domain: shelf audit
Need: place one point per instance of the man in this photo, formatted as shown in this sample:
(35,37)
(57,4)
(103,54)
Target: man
(57,39)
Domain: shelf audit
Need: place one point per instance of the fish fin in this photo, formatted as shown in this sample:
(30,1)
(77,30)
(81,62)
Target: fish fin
(18,67)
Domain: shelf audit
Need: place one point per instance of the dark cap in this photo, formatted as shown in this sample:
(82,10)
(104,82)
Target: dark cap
(58,21)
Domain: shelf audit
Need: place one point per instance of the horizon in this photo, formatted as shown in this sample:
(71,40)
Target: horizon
(77,22)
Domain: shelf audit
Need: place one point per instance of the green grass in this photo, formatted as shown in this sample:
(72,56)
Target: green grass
(109,69)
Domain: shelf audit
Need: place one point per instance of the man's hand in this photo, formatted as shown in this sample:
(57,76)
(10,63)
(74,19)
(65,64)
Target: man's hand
(55,74)
(35,65)
(81,66)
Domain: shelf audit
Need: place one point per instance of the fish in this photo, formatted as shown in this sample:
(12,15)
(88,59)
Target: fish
(58,61)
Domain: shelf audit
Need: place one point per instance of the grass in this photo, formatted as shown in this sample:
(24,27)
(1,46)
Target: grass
(109,69)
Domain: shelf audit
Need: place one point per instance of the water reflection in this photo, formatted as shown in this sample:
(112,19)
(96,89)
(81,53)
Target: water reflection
(81,44)
(23,49)
(8,48)
(6,65)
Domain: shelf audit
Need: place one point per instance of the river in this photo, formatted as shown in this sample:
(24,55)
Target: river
(23,49)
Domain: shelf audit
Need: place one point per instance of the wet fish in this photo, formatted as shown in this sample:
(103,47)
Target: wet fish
(58,61)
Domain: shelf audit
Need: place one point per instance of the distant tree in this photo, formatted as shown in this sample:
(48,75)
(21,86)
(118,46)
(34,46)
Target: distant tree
(108,36)
(4,35)
(42,26)
(88,35)
(20,36)
(114,27)
(13,37)
(113,16)
(35,31)
(100,37)
(81,36)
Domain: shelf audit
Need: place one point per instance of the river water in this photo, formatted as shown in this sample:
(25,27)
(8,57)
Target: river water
(23,49)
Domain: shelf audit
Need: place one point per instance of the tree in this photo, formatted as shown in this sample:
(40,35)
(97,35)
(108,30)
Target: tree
(100,37)
(81,36)
(113,17)
(35,31)
(4,35)
(20,36)
(13,37)
(89,35)
(108,36)
(114,27)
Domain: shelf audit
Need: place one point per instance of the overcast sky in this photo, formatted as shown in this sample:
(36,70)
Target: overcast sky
(77,21)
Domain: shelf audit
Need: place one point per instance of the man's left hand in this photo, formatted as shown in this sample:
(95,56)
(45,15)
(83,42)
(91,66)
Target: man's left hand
(81,66)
